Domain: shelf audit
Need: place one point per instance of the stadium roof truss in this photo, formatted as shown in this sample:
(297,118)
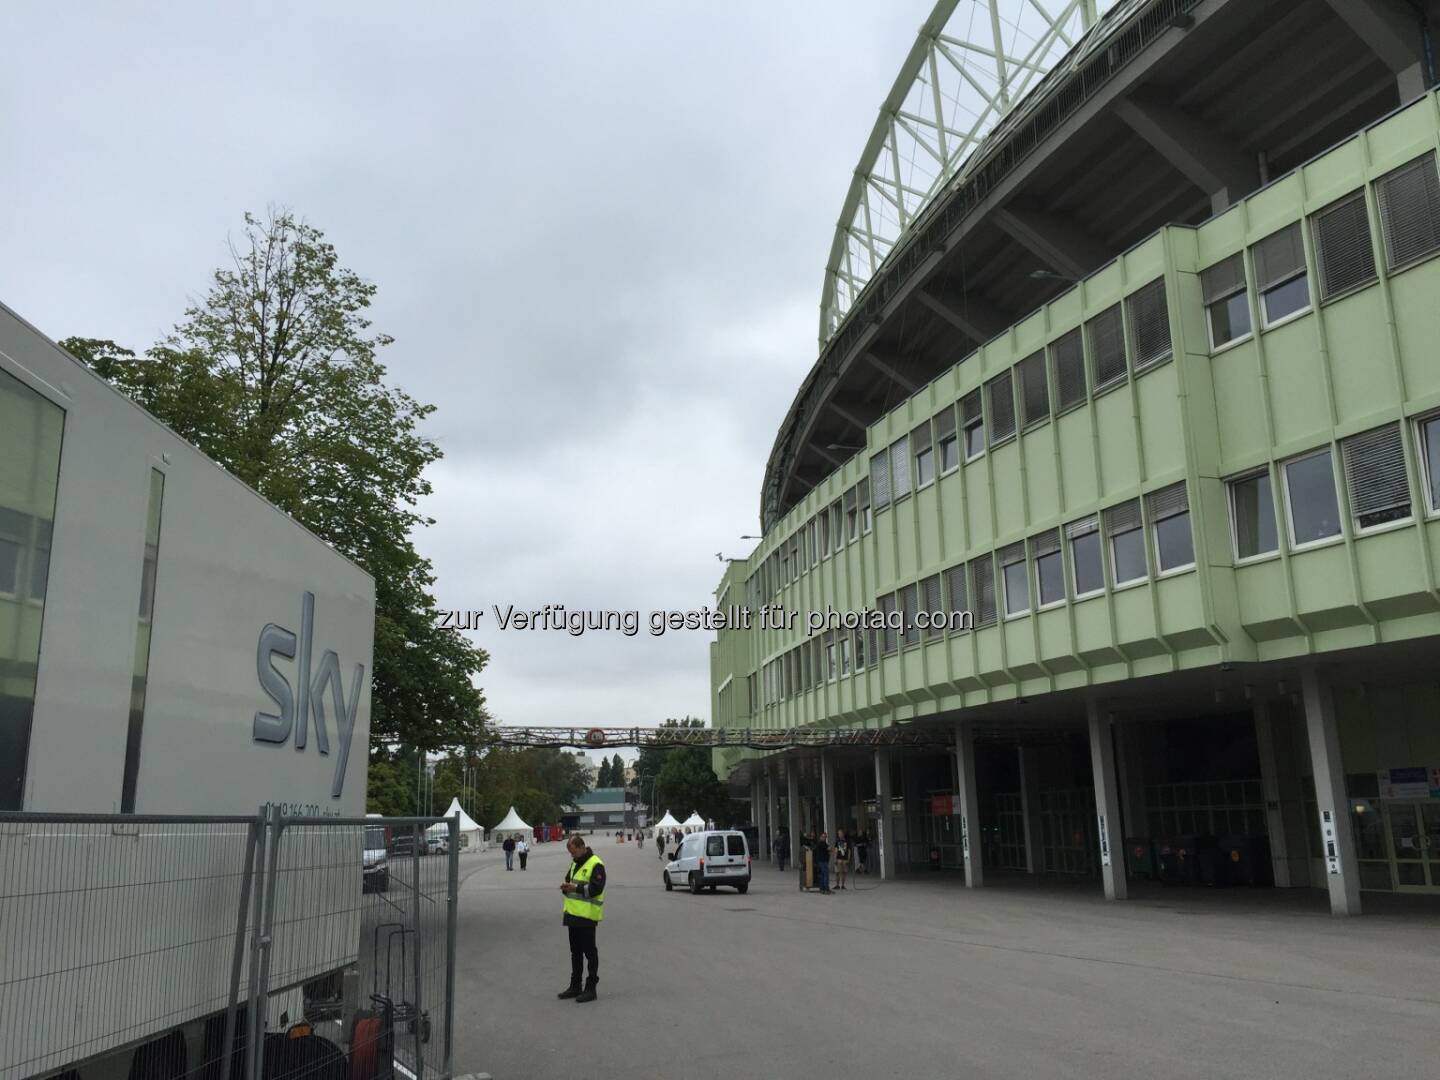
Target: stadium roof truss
(971,63)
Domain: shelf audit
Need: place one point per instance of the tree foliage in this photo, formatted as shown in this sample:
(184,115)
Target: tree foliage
(541,783)
(684,779)
(275,375)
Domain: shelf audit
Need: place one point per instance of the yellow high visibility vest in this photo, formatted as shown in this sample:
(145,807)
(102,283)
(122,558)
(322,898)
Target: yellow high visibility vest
(586,909)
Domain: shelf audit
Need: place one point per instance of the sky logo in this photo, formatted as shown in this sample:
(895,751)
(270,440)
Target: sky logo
(307,698)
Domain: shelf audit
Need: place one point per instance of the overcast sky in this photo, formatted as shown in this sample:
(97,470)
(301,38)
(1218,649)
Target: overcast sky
(598,232)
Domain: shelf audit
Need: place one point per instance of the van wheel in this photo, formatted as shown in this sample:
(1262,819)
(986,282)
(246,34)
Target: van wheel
(743,888)
(695,885)
(666,875)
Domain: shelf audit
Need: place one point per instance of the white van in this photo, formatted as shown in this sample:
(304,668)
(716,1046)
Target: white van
(708,859)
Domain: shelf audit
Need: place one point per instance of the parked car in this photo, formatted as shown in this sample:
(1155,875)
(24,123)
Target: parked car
(437,845)
(377,870)
(708,859)
(403,843)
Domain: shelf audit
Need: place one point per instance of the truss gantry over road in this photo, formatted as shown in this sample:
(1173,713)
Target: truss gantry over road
(971,63)
(598,738)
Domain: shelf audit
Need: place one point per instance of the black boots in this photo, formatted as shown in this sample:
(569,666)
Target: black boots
(589,994)
(573,990)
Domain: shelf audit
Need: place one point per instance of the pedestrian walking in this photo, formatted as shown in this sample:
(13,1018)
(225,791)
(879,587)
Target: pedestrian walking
(660,842)
(509,848)
(862,853)
(841,853)
(640,838)
(584,889)
(523,850)
(821,851)
(782,850)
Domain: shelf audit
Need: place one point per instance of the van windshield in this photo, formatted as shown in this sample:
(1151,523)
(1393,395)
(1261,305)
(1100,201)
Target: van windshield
(736,844)
(714,845)
(374,838)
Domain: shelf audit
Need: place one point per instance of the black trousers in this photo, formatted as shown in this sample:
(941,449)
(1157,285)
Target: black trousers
(582,947)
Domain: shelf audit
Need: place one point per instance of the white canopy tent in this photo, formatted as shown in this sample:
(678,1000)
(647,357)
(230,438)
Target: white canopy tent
(667,822)
(694,821)
(512,824)
(472,836)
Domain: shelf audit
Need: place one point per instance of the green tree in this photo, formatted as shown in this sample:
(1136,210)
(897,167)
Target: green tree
(275,375)
(602,773)
(682,779)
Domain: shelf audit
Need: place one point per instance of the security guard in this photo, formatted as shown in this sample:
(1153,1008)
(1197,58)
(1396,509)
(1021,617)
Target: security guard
(584,889)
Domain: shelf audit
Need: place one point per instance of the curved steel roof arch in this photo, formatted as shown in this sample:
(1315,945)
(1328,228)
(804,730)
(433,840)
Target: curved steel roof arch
(972,61)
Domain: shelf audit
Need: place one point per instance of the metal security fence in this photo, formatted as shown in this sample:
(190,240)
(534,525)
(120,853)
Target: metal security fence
(162,947)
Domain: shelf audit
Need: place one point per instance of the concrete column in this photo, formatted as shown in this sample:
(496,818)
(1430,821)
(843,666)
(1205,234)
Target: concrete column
(827,792)
(792,795)
(1342,874)
(969,793)
(1107,803)
(1030,807)
(1270,789)
(772,811)
(755,798)
(884,826)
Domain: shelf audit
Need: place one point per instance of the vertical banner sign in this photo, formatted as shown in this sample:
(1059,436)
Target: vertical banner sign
(1332,848)
(965,837)
(1104,843)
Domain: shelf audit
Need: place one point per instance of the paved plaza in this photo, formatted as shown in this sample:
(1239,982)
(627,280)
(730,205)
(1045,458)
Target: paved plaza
(921,978)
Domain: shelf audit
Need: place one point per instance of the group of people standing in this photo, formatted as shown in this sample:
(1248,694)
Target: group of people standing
(841,855)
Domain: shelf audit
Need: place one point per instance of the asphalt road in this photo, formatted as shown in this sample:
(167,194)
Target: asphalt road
(925,979)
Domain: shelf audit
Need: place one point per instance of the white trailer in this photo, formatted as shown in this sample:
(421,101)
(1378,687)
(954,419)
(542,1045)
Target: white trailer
(170,643)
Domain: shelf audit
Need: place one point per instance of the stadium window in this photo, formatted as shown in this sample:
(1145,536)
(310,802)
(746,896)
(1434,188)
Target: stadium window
(982,589)
(1067,365)
(889,636)
(1149,324)
(805,673)
(1049,568)
(812,531)
(1106,336)
(900,467)
(972,423)
(1017,579)
(1280,275)
(832,657)
(909,606)
(933,606)
(880,478)
(924,454)
(1375,474)
(1310,506)
(1125,531)
(1000,393)
(844,648)
(1429,431)
(1034,393)
(859,648)
(1252,516)
(1169,510)
(837,531)
(947,443)
(1227,304)
(852,517)
(1087,567)
(824,522)
(1409,200)
(956,602)
(863,498)
(1342,246)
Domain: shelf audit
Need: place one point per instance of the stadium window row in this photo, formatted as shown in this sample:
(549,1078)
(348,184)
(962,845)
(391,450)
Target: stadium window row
(1070,562)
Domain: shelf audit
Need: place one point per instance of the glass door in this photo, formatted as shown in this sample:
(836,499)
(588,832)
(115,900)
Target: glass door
(1415,844)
